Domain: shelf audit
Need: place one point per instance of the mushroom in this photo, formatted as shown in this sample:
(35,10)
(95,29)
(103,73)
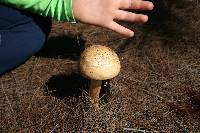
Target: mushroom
(98,63)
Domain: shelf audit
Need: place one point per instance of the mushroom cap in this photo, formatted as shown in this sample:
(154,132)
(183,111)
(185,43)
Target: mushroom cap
(99,63)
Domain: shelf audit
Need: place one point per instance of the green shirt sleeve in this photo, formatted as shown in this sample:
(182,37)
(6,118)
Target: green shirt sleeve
(60,10)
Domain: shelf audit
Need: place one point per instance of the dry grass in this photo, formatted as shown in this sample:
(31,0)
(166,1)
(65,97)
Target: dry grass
(158,89)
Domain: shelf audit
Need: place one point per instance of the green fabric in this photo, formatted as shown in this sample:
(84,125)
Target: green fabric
(60,10)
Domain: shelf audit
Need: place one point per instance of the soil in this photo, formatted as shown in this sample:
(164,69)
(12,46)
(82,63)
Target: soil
(157,90)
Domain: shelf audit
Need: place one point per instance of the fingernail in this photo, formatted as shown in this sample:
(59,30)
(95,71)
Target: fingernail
(151,6)
(145,18)
(131,34)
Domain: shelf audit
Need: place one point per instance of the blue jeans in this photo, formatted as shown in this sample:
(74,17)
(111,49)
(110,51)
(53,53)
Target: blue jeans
(22,34)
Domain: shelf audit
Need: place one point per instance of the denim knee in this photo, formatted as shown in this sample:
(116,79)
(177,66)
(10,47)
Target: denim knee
(22,34)
(17,48)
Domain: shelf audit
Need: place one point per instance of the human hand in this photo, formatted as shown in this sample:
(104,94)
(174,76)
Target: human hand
(104,13)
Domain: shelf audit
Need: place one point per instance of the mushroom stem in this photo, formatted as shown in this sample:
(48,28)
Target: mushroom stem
(94,91)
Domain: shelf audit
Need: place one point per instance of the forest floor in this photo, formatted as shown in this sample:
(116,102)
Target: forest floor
(157,90)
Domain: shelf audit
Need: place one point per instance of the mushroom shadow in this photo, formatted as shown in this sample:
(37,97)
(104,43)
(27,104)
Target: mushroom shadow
(63,85)
(63,47)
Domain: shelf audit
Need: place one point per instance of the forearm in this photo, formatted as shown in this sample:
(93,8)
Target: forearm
(60,10)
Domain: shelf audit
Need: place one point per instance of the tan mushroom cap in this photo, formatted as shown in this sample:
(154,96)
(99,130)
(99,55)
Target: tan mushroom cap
(99,63)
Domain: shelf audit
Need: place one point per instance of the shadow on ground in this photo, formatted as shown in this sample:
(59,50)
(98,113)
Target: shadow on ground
(164,24)
(63,47)
(63,85)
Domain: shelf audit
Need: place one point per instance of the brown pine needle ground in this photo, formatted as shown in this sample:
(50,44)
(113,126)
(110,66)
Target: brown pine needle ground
(157,90)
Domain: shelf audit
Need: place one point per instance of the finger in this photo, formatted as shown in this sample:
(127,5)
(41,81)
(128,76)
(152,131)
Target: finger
(120,29)
(132,17)
(136,4)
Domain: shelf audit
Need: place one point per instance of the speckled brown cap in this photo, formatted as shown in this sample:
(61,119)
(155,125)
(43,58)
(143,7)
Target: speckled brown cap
(99,63)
